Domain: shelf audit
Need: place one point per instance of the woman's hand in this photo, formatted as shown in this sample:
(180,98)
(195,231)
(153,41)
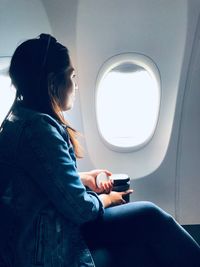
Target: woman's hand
(89,180)
(114,198)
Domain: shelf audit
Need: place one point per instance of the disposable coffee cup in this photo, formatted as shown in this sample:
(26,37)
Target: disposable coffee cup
(121,183)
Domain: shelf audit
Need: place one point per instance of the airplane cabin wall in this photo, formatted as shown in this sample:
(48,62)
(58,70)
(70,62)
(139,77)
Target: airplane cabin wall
(167,173)
(188,153)
(20,20)
(152,28)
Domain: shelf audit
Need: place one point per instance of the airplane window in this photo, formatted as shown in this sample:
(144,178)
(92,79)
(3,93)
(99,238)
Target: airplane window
(7,92)
(127,101)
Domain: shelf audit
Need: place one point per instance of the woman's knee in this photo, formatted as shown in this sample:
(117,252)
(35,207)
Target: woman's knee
(154,214)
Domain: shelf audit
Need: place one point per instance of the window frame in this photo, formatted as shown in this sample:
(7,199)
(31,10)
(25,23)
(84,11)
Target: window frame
(142,61)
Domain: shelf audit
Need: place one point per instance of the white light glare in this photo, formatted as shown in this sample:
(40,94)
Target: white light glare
(7,96)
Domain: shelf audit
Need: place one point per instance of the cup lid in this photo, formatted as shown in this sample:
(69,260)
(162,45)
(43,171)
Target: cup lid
(120,178)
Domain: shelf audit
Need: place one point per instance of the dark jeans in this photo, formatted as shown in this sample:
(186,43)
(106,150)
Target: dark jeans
(140,234)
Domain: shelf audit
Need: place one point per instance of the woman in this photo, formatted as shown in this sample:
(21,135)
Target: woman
(47,215)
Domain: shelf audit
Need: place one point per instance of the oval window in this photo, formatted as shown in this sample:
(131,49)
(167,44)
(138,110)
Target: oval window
(127,101)
(7,92)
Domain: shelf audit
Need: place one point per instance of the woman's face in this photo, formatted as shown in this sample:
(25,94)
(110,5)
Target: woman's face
(68,95)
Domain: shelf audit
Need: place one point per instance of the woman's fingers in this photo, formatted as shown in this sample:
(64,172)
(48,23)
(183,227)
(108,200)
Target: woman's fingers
(127,192)
(107,172)
(122,201)
(106,186)
(102,187)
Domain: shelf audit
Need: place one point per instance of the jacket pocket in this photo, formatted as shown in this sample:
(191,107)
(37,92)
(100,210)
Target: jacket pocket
(40,240)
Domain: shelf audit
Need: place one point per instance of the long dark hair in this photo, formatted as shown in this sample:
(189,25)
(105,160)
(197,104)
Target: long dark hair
(38,72)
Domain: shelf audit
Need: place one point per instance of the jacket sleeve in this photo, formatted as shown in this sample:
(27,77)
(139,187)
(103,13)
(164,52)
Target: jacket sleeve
(45,154)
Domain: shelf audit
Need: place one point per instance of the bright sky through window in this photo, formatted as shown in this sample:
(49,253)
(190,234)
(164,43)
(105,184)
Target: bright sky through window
(7,96)
(127,107)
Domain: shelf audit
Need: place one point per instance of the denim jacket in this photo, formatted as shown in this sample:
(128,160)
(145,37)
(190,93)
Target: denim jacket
(42,200)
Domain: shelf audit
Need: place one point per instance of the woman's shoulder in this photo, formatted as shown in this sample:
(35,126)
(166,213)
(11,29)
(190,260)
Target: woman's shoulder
(36,121)
(43,120)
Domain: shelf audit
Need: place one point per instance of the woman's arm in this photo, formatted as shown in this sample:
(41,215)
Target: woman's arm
(111,198)
(44,154)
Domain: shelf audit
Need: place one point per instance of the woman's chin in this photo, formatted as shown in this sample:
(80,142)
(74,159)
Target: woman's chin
(69,107)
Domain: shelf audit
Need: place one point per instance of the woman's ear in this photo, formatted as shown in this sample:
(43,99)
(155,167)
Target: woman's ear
(51,84)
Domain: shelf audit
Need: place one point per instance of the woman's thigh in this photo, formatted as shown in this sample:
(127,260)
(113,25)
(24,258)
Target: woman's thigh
(129,223)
